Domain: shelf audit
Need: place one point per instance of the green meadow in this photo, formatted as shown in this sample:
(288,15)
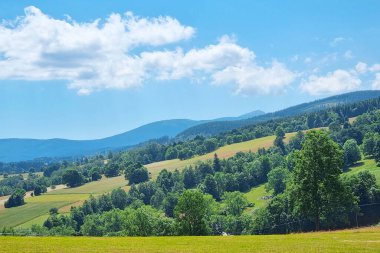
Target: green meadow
(36,209)
(355,240)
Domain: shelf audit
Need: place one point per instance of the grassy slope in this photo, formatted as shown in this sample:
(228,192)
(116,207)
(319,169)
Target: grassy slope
(36,207)
(255,196)
(223,152)
(366,164)
(359,240)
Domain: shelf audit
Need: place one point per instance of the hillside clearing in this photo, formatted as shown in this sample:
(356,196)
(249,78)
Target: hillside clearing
(355,240)
(62,199)
(366,165)
(222,152)
(256,196)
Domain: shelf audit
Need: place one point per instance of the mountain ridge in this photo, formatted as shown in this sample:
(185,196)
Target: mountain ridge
(17,149)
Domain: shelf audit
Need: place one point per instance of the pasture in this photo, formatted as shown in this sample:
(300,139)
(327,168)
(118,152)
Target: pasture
(355,240)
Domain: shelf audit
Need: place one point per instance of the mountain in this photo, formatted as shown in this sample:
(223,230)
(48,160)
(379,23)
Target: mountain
(14,149)
(212,128)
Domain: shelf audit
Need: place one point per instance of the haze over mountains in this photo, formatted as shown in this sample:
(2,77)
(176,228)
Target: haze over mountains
(14,149)
(17,149)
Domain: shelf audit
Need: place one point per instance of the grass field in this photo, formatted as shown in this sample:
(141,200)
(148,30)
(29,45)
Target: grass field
(255,196)
(223,152)
(366,164)
(36,208)
(359,240)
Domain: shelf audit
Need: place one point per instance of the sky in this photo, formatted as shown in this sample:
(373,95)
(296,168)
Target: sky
(90,69)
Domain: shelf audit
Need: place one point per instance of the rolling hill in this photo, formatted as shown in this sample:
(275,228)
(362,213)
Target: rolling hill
(14,149)
(212,128)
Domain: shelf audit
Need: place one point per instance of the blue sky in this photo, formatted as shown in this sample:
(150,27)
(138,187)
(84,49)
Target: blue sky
(65,74)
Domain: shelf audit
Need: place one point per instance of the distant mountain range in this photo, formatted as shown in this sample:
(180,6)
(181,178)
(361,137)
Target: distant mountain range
(14,149)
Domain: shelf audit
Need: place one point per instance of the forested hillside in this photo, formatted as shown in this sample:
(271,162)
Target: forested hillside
(213,128)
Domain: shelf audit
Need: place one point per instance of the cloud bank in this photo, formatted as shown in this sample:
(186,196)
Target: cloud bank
(126,51)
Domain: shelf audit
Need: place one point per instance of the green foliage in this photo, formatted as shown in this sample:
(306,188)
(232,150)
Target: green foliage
(112,170)
(317,189)
(39,189)
(72,178)
(16,199)
(235,203)
(277,180)
(351,152)
(191,212)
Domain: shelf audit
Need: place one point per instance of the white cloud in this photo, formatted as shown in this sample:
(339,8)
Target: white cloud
(361,67)
(348,55)
(376,82)
(332,83)
(336,41)
(255,79)
(375,67)
(124,51)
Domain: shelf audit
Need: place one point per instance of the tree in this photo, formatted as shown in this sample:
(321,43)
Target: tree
(16,199)
(368,144)
(235,203)
(317,189)
(190,213)
(277,179)
(364,187)
(279,141)
(112,170)
(351,152)
(95,175)
(72,178)
(119,198)
(216,164)
(210,187)
(376,149)
(39,189)
(189,178)
(138,175)
(171,153)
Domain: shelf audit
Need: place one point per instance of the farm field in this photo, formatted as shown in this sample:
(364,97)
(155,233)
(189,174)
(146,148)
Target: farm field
(36,208)
(356,240)
(223,152)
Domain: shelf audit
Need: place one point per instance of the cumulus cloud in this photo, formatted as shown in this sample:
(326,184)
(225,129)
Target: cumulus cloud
(125,51)
(361,67)
(332,83)
(256,79)
(376,82)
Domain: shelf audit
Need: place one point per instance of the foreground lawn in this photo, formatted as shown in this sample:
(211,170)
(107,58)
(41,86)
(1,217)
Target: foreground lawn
(360,240)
